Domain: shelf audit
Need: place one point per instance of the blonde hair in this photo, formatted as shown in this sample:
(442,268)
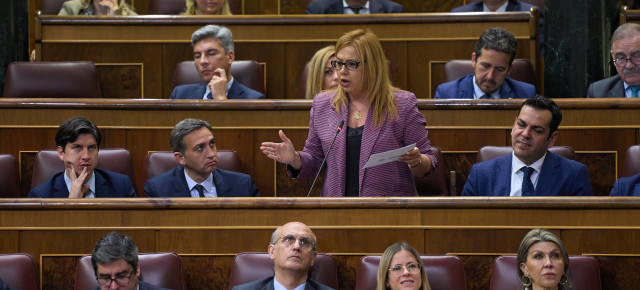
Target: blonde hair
(315,74)
(192,8)
(385,261)
(379,88)
(125,8)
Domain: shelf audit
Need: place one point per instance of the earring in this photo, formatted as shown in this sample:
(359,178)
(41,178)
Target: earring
(564,280)
(526,280)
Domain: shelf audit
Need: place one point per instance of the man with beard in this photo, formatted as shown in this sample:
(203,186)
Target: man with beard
(625,51)
(293,248)
(531,170)
(491,61)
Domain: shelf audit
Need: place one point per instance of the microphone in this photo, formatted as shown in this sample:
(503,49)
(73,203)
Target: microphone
(326,155)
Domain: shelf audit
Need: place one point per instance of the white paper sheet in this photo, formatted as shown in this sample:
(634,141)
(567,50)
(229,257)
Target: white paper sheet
(389,156)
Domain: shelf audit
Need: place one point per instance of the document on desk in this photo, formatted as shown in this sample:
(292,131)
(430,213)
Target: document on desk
(389,156)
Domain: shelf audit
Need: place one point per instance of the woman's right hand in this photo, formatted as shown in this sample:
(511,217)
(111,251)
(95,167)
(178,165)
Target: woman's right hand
(282,152)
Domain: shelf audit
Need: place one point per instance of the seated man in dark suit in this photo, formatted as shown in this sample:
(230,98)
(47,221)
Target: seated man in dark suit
(115,260)
(78,141)
(291,240)
(213,54)
(626,186)
(625,51)
(194,148)
(491,61)
(353,7)
(531,170)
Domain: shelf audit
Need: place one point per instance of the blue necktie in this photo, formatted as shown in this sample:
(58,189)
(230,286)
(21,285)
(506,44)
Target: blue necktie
(200,189)
(209,96)
(486,96)
(634,91)
(527,185)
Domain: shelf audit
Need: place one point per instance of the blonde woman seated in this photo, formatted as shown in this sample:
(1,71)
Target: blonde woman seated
(207,7)
(401,268)
(97,7)
(321,75)
(543,262)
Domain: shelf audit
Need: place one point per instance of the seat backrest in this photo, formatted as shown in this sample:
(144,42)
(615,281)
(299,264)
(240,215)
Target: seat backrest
(51,7)
(521,70)
(443,272)
(253,266)
(437,182)
(584,272)
(248,72)
(631,161)
(47,163)
(159,269)
(18,271)
(65,79)
(9,179)
(158,162)
(166,7)
(489,152)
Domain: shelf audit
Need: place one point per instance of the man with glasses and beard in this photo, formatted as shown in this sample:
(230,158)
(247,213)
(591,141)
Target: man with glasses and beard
(293,249)
(625,51)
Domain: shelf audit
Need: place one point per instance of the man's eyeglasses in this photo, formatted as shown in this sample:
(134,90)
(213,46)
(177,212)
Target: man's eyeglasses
(399,269)
(621,61)
(121,281)
(351,64)
(304,242)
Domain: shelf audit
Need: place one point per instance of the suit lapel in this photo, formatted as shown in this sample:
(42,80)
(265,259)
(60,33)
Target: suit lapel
(101,185)
(618,90)
(506,92)
(181,188)
(501,178)
(235,91)
(60,186)
(548,175)
(222,188)
(466,91)
(513,6)
(374,7)
(478,6)
(369,137)
(636,190)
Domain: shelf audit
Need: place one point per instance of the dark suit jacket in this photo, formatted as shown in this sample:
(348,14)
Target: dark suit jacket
(267,284)
(335,7)
(612,87)
(143,286)
(626,186)
(173,184)
(196,91)
(108,184)
(558,176)
(4,286)
(462,88)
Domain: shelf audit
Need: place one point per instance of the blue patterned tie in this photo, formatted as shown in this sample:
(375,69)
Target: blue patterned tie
(486,96)
(527,185)
(209,96)
(200,189)
(634,91)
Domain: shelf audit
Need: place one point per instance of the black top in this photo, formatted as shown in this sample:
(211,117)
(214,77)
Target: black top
(354,140)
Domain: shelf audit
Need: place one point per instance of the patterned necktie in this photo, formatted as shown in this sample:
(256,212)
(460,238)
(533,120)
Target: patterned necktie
(634,91)
(355,10)
(527,185)
(209,96)
(486,96)
(200,189)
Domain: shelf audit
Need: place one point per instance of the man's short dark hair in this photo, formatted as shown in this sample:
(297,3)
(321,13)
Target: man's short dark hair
(184,127)
(220,33)
(114,247)
(544,103)
(498,39)
(74,127)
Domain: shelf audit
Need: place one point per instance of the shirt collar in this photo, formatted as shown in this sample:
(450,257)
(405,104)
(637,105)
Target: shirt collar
(477,92)
(502,8)
(516,164)
(91,182)
(229,83)
(278,286)
(207,183)
(365,8)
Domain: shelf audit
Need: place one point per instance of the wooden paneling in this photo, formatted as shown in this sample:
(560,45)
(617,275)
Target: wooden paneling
(142,52)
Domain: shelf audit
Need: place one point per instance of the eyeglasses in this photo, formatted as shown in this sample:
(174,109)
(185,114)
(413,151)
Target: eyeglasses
(121,281)
(304,242)
(399,269)
(351,64)
(620,62)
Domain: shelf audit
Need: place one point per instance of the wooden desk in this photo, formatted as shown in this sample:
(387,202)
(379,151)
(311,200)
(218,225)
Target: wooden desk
(208,233)
(136,56)
(599,130)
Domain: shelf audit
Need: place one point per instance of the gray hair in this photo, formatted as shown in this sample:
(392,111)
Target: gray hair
(114,247)
(624,31)
(220,33)
(184,127)
(498,39)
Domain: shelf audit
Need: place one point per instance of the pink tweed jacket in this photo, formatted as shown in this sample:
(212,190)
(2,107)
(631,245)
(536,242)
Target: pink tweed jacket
(391,179)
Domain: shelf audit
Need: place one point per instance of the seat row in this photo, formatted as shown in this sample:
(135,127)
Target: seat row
(80,79)
(440,182)
(165,270)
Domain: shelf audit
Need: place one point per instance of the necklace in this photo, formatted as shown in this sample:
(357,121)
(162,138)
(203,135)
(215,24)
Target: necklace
(357,115)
